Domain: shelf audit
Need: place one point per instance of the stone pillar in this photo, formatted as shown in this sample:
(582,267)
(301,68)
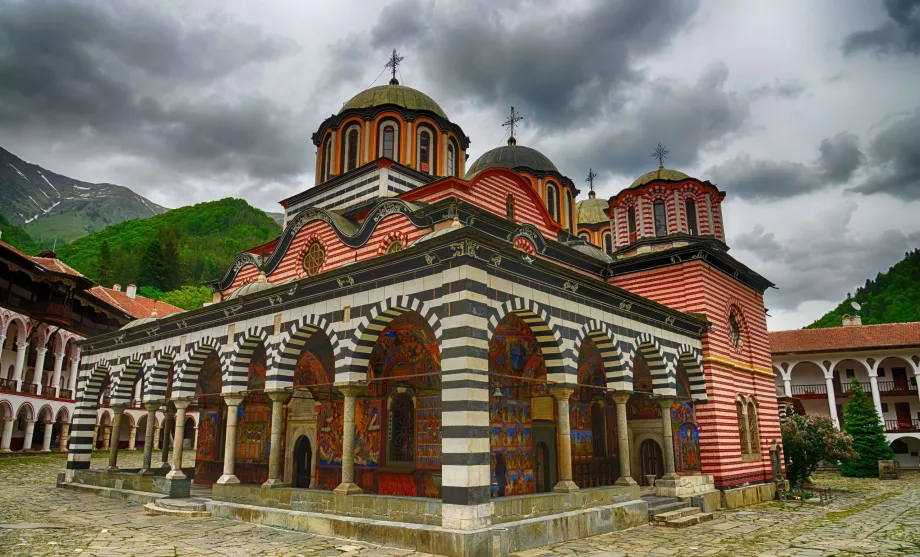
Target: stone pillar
(117,410)
(229,477)
(832,400)
(106,437)
(30,431)
(667,439)
(95,435)
(156,437)
(623,440)
(195,440)
(348,485)
(279,399)
(564,440)
(169,417)
(176,472)
(21,349)
(132,438)
(149,436)
(7,436)
(876,397)
(39,370)
(56,377)
(74,369)
(46,442)
(787,386)
(65,435)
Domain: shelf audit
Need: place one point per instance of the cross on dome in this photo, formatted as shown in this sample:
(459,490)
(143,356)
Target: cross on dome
(590,179)
(660,153)
(393,64)
(511,121)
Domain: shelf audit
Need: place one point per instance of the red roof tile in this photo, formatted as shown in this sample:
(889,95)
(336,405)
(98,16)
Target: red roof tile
(842,338)
(56,265)
(140,307)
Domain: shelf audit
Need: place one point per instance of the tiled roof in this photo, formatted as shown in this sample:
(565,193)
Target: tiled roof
(140,307)
(842,338)
(53,264)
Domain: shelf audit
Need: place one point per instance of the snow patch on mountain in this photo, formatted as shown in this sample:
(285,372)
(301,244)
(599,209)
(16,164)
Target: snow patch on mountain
(20,173)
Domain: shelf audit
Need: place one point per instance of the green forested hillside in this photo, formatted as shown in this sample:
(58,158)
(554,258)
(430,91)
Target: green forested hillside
(184,246)
(17,237)
(893,297)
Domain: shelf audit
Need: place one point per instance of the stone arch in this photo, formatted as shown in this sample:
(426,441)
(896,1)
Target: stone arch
(46,413)
(157,375)
(63,414)
(22,328)
(123,382)
(619,377)
(281,374)
(187,373)
(367,332)
(692,361)
(559,366)
(29,409)
(237,376)
(664,382)
(6,409)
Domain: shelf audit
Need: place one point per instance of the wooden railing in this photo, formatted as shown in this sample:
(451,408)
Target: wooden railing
(892,426)
(8,385)
(896,387)
(809,390)
(66,394)
(30,388)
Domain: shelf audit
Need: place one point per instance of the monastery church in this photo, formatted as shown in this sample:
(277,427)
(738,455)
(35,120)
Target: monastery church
(456,358)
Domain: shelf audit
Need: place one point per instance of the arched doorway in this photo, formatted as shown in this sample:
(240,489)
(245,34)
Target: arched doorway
(303,462)
(651,461)
(253,431)
(541,468)
(313,388)
(209,457)
(592,422)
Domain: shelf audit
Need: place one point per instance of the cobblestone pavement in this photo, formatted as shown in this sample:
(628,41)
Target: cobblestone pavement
(867,517)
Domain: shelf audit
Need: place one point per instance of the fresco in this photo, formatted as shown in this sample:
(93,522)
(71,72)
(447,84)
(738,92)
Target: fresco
(642,378)
(253,430)
(310,371)
(407,353)
(329,423)
(639,408)
(428,432)
(367,432)
(686,438)
(209,456)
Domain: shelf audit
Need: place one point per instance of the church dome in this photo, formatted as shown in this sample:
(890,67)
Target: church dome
(661,174)
(394,94)
(591,211)
(515,157)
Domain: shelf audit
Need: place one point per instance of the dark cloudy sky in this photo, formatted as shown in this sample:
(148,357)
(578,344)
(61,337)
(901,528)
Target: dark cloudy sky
(806,113)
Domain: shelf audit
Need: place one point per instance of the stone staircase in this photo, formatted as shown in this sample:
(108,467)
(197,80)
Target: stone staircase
(672,512)
(187,508)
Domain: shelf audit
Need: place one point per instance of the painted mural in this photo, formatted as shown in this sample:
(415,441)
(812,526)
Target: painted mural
(209,456)
(686,438)
(642,377)
(253,430)
(406,353)
(368,439)
(639,408)
(310,372)
(428,432)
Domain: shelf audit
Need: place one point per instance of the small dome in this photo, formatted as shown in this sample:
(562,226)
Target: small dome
(591,211)
(395,94)
(661,174)
(515,157)
(251,288)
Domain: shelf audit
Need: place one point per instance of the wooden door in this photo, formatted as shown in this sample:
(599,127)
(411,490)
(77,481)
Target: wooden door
(541,468)
(902,410)
(651,460)
(899,376)
(303,462)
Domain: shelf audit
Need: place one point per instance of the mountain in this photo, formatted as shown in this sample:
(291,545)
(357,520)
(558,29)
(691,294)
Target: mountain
(892,297)
(208,237)
(17,237)
(48,205)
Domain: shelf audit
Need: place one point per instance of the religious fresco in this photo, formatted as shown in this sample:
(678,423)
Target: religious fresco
(368,442)
(639,408)
(329,423)
(642,378)
(209,456)
(428,432)
(310,371)
(580,428)
(686,437)
(407,353)
(368,417)
(253,430)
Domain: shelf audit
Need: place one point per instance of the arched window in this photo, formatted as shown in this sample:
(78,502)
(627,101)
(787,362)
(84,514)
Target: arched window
(313,259)
(451,160)
(661,218)
(743,427)
(389,141)
(565,209)
(753,428)
(631,223)
(326,169)
(509,206)
(608,242)
(693,227)
(552,201)
(394,246)
(402,429)
(351,148)
(734,330)
(424,151)
(584,236)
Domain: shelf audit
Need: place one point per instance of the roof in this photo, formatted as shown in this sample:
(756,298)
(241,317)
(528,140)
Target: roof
(48,260)
(591,211)
(515,157)
(661,174)
(140,307)
(843,338)
(399,95)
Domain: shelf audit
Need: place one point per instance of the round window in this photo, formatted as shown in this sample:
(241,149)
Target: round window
(394,246)
(313,259)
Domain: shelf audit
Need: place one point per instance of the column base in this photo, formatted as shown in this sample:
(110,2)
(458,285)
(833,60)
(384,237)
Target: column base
(5,451)
(347,489)
(145,472)
(45,451)
(671,476)
(565,486)
(111,468)
(176,475)
(625,480)
(227,479)
(275,483)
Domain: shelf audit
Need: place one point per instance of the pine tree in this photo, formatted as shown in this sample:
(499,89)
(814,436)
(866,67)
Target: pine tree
(170,263)
(106,276)
(861,421)
(150,272)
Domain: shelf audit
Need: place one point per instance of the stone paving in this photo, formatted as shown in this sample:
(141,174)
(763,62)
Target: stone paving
(867,517)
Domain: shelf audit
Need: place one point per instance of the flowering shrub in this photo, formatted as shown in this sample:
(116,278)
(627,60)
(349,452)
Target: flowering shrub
(809,440)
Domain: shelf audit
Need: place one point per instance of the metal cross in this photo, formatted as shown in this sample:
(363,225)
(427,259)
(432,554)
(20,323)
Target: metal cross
(393,64)
(512,120)
(590,179)
(660,153)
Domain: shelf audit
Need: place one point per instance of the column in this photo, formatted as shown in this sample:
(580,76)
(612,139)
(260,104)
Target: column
(21,349)
(132,438)
(74,369)
(95,435)
(876,397)
(7,434)
(667,440)
(169,417)
(564,440)
(787,386)
(39,369)
(56,376)
(106,437)
(623,440)
(176,472)
(156,437)
(30,431)
(279,399)
(348,485)
(65,436)
(117,410)
(229,477)
(46,441)
(195,440)
(832,400)
(149,436)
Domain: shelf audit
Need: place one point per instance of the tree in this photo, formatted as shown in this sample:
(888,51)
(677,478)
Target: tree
(150,272)
(105,269)
(807,441)
(189,297)
(170,263)
(861,422)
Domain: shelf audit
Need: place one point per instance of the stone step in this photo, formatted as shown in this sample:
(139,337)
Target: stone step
(686,521)
(190,504)
(666,508)
(153,509)
(679,513)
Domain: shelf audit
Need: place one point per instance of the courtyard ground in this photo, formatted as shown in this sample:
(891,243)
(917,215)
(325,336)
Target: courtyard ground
(867,517)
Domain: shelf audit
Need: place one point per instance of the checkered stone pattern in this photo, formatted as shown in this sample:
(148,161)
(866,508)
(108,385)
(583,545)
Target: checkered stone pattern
(157,373)
(236,378)
(186,375)
(84,415)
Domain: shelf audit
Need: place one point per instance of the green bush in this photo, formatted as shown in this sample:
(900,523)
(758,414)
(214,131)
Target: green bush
(807,441)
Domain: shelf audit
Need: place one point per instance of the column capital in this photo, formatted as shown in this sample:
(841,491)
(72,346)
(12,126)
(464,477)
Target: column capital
(29,422)
(118,408)
(47,421)
(169,414)
(621,398)
(352,389)
(562,392)
(665,402)
(279,396)
(182,404)
(233,399)
(152,406)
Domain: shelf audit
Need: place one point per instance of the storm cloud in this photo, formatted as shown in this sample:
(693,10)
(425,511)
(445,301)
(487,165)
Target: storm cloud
(900,34)
(895,157)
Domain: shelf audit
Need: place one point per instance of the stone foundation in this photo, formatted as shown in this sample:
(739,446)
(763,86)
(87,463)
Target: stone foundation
(748,495)
(684,486)
(707,502)
(131,481)
(524,507)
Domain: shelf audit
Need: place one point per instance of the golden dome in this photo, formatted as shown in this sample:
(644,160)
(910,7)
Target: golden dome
(591,211)
(661,174)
